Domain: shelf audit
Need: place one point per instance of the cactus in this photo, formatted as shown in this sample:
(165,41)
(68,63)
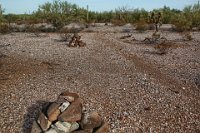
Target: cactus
(155,18)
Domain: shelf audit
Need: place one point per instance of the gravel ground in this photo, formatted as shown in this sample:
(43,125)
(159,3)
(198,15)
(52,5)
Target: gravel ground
(132,87)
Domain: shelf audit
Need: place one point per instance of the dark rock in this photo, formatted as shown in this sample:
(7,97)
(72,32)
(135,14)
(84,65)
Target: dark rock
(73,113)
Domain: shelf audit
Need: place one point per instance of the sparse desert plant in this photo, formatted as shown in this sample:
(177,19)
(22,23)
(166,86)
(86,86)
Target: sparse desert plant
(186,36)
(141,26)
(181,23)
(156,19)
(4,28)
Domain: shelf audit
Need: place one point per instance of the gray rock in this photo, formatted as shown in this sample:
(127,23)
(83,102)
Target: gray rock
(51,131)
(62,127)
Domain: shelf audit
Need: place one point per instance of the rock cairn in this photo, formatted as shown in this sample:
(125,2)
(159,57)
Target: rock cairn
(76,41)
(65,115)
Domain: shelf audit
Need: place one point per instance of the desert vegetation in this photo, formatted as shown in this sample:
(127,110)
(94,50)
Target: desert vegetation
(139,69)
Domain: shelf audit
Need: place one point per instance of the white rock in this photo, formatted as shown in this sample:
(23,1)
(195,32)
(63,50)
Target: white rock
(51,131)
(74,126)
(64,106)
(62,127)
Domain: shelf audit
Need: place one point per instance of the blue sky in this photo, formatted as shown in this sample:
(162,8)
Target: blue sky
(22,6)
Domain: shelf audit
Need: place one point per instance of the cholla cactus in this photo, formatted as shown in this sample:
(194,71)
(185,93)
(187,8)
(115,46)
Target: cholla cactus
(155,18)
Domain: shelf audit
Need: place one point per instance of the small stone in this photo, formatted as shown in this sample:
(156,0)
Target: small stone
(53,112)
(91,121)
(36,128)
(70,97)
(64,106)
(51,131)
(74,126)
(44,122)
(103,129)
(72,113)
(62,126)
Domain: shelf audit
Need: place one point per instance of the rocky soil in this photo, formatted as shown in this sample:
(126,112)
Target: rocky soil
(128,83)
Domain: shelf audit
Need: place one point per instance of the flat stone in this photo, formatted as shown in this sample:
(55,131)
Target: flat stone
(62,127)
(53,112)
(70,97)
(73,113)
(64,106)
(103,129)
(91,121)
(36,128)
(43,122)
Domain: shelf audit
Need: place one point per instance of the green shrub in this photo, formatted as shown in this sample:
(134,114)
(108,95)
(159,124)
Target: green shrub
(181,23)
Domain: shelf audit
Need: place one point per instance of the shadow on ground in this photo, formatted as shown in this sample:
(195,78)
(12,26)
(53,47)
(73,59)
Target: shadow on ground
(32,113)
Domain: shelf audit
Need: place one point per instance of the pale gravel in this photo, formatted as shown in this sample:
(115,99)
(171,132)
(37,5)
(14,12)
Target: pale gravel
(38,69)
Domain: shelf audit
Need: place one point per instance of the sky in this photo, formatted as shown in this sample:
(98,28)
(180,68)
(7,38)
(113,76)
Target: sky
(28,6)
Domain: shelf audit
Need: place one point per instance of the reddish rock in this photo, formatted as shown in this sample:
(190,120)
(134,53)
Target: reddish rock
(53,112)
(103,129)
(91,121)
(73,112)
(43,122)
(36,128)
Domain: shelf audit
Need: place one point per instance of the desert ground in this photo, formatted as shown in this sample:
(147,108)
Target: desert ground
(127,82)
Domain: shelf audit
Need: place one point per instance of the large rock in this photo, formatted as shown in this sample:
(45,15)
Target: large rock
(43,122)
(36,128)
(73,112)
(103,129)
(91,121)
(53,112)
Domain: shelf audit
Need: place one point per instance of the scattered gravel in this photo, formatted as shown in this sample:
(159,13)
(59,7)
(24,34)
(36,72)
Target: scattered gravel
(134,88)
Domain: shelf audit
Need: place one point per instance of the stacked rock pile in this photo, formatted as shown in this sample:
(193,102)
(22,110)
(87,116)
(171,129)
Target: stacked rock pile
(65,115)
(76,41)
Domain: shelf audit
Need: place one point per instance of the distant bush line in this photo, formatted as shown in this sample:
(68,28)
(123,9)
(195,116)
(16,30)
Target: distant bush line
(61,13)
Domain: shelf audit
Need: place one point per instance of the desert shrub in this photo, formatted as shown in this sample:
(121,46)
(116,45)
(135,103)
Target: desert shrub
(141,26)
(181,23)
(117,22)
(4,28)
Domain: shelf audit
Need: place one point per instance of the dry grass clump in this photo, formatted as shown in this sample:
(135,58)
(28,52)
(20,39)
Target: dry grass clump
(141,26)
